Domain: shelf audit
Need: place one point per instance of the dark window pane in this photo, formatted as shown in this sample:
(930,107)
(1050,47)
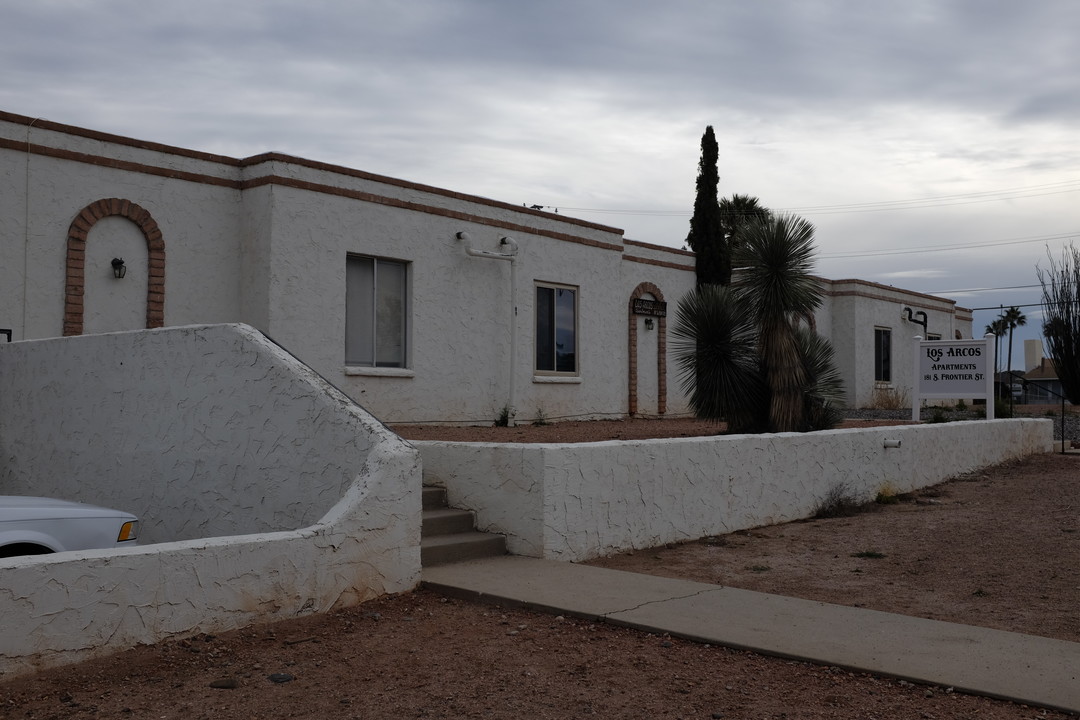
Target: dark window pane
(565,325)
(882,355)
(545,329)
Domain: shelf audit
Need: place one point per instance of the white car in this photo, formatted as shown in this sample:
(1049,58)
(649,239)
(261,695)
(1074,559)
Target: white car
(37,525)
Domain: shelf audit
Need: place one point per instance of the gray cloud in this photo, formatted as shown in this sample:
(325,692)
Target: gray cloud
(601,103)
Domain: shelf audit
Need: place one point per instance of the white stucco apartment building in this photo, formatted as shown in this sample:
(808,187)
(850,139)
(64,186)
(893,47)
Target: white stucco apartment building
(422,304)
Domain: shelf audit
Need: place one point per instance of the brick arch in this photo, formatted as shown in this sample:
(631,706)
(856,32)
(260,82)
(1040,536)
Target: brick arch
(661,350)
(76,260)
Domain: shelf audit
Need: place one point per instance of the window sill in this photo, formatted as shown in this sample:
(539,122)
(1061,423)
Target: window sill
(557,379)
(379,372)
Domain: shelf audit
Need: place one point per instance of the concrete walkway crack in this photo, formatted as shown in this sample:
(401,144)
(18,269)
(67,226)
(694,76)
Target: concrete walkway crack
(661,601)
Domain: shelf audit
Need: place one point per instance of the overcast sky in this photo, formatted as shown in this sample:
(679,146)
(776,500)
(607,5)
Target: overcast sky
(933,144)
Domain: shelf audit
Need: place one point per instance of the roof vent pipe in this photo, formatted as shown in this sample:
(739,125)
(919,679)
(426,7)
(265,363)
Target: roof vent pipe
(511,257)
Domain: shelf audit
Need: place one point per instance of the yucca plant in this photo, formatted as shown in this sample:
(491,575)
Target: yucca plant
(742,354)
(719,369)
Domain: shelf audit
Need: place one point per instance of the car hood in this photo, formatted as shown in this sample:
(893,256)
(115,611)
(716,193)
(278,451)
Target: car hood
(21,507)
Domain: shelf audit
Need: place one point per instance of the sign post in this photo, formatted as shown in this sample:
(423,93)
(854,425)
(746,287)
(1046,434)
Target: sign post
(954,369)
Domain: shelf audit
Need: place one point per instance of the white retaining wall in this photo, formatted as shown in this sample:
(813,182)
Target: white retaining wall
(201,431)
(580,501)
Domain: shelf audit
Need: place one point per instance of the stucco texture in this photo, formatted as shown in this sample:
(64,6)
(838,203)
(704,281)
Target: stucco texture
(203,432)
(577,502)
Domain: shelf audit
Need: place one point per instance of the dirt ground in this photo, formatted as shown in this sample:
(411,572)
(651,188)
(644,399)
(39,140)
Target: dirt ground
(586,430)
(998,548)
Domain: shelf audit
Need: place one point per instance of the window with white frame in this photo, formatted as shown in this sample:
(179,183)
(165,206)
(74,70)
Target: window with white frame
(556,329)
(376,307)
(882,354)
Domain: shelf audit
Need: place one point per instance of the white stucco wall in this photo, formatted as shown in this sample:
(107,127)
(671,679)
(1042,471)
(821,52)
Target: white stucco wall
(200,225)
(201,431)
(462,311)
(576,502)
(264,240)
(854,308)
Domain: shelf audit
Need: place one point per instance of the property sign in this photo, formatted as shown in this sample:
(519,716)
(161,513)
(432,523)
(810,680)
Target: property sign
(656,308)
(954,369)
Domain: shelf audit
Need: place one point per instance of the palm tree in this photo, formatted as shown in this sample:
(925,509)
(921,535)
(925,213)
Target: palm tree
(997,327)
(735,212)
(1012,319)
(775,257)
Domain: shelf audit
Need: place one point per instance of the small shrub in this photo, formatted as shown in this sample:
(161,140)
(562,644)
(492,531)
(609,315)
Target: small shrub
(839,501)
(1002,409)
(938,416)
(541,418)
(980,413)
(887,398)
(503,418)
(961,406)
(887,495)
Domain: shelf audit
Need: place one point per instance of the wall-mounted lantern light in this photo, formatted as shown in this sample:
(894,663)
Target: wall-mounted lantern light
(648,323)
(119,269)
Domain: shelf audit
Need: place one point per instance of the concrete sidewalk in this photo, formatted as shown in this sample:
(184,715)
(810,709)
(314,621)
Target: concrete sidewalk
(1023,668)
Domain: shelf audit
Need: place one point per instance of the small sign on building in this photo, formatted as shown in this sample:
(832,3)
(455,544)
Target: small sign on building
(950,369)
(653,308)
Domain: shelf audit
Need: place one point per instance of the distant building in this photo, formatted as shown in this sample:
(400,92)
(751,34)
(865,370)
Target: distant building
(1042,386)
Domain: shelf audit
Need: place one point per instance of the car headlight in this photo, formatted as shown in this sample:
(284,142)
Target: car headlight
(128,531)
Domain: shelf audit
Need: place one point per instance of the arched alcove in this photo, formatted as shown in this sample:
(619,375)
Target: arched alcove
(75,280)
(647,288)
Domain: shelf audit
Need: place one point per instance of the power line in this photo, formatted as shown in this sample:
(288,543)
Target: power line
(840,255)
(943,200)
(964,290)
(1000,307)
(1057,188)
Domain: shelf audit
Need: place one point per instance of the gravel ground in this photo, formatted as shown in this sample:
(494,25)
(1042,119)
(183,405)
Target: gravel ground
(928,414)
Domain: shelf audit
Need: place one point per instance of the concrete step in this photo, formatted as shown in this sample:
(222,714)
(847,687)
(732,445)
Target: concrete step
(444,521)
(434,497)
(443,549)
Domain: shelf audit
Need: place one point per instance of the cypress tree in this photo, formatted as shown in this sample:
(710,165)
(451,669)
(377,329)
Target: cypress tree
(706,237)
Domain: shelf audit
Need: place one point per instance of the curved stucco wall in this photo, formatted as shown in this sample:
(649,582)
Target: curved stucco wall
(580,501)
(63,608)
(201,431)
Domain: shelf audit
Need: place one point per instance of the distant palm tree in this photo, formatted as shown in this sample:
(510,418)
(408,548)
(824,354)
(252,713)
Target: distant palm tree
(1013,319)
(997,327)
